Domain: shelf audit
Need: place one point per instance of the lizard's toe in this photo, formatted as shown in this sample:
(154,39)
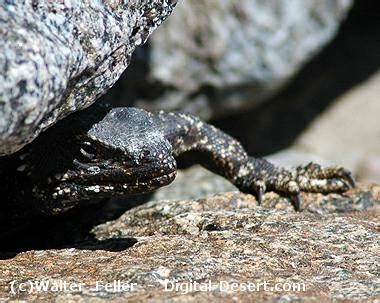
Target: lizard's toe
(315,171)
(325,186)
(328,179)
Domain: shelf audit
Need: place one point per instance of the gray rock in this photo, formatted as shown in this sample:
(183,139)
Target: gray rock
(331,253)
(59,57)
(347,132)
(227,55)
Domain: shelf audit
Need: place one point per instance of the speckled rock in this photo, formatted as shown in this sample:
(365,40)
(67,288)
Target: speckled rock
(227,55)
(57,57)
(330,250)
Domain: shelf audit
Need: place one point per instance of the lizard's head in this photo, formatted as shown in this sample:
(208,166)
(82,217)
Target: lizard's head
(122,153)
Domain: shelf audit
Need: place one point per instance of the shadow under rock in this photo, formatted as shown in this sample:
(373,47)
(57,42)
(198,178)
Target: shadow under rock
(71,229)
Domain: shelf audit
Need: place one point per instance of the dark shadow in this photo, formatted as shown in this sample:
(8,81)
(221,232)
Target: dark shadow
(114,245)
(352,57)
(71,229)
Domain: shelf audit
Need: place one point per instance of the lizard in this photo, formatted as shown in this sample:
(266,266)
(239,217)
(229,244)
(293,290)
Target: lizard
(106,151)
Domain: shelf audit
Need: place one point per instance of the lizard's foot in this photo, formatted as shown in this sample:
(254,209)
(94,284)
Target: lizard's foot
(309,178)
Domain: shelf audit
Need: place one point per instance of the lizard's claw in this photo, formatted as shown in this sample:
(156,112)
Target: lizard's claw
(296,201)
(259,190)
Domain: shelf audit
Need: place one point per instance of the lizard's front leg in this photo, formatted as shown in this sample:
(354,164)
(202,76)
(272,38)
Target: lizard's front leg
(225,156)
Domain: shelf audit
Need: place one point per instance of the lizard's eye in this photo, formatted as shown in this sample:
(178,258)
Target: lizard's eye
(144,154)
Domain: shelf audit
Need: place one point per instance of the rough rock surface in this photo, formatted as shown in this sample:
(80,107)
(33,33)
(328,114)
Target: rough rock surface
(58,57)
(332,246)
(226,55)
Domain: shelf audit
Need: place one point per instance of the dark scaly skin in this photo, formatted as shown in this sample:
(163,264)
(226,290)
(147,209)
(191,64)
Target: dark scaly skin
(103,152)
(226,157)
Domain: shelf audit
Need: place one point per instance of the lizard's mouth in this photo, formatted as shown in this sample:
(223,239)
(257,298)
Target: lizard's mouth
(71,189)
(89,180)
(132,185)
(144,172)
